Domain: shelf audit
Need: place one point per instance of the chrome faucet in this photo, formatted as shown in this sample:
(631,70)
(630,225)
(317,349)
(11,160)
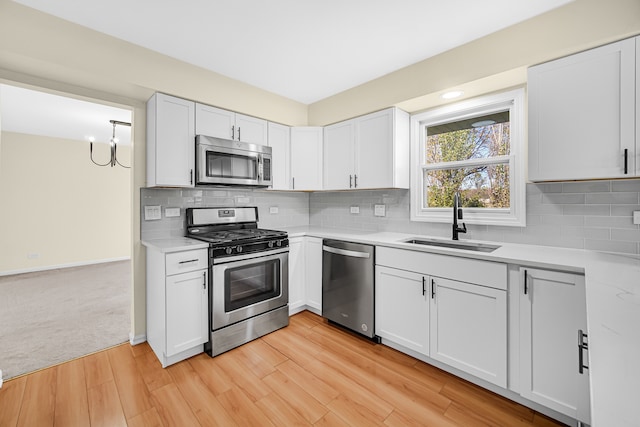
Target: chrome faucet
(457,214)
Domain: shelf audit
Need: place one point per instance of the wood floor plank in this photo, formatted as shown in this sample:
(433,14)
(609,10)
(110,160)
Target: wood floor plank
(300,351)
(132,389)
(241,376)
(150,418)
(265,351)
(490,406)
(404,393)
(97,369)
(39,399)
(11,395)
(105,409)
(347,387)
(243,410)
(331,420)
(301,401)
(398,419)
(150,368)
(254,361)
(172,408)
(280,412)
(72,407)
(202,401)
(313,385)
(140,349)
(211,374)
(354,413)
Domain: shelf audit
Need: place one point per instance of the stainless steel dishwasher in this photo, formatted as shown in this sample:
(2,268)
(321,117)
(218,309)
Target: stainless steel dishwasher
(348,285)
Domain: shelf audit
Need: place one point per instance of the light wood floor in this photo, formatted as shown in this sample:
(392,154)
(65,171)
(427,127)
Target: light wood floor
(309,373)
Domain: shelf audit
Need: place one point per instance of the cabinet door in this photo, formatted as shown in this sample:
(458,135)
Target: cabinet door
(187,311)
(306,158)
(552,311)
(296,275)
(313,268)
(251,129)
(279,141)
(374,150)
(468,328)
(402,308)
(171,140)
(581,115)
(216,122)
(338,156)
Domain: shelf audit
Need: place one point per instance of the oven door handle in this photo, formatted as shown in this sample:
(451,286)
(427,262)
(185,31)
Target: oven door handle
(253,255)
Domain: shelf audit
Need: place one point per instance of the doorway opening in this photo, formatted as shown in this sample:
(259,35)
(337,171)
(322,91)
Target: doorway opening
(65,261)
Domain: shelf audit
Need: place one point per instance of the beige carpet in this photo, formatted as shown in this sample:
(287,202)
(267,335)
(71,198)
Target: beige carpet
(53,316)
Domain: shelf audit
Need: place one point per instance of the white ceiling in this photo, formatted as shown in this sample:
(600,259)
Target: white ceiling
(39,113)
(305,50)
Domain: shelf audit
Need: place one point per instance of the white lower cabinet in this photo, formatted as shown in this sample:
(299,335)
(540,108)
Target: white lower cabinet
(468,328)
(305,274)
(552,316)
(402,308)
(426,303)
(177,303)
(297,298)
(313,273)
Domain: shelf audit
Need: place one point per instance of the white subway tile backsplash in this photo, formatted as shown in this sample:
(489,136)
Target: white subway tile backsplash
(586,210)
(586,187)
(563,199)
(620,198)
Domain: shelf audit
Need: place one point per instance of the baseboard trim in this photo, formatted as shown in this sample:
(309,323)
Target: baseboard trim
(137,339)
(56,267)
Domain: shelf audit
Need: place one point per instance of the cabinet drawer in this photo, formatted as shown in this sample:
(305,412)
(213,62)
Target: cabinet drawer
(182,262)
(486,273)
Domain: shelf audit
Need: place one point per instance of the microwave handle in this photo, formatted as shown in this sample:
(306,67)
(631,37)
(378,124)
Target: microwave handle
(258,167)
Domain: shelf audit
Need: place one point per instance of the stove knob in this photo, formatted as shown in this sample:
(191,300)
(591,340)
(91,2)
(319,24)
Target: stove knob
(279,243)
(228,250)
(238,249)
(270,244)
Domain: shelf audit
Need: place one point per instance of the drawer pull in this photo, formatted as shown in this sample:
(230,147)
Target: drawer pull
(188,261)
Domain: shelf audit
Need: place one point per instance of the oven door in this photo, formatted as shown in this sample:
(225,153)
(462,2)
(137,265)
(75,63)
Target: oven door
(247,285)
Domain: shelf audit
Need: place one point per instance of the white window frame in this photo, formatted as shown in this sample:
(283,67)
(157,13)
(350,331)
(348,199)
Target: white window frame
(515,215)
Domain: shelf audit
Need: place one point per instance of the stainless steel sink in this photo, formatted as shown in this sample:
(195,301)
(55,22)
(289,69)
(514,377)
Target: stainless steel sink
(467,246)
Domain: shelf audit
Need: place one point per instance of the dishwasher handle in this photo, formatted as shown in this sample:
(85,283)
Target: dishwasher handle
(346,252)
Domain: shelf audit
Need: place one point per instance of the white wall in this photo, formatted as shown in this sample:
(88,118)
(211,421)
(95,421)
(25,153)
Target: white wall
(58,208)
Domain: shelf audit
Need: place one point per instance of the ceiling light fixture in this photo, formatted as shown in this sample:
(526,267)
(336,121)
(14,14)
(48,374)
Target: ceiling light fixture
(114,146)
(452,94)
(482,123)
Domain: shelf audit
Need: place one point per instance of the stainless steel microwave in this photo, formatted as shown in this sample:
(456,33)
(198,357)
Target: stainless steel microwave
(225,162)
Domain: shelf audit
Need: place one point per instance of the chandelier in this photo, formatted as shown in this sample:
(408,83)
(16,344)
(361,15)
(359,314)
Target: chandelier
(113,142)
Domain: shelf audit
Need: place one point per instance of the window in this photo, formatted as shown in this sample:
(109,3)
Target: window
(474,148)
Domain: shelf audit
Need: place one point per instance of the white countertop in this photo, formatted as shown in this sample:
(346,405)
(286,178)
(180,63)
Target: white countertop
(613,307)
(175,244)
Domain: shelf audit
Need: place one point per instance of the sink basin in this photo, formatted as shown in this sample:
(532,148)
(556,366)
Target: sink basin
(467,246)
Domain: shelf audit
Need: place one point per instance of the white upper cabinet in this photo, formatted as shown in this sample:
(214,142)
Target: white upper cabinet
(170,141)
(370,151)
(280,143)
(339,153)
(219,123)
(306,158)
(582,115)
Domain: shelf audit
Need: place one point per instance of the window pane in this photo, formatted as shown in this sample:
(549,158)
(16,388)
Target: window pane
(479,187)
(476,138)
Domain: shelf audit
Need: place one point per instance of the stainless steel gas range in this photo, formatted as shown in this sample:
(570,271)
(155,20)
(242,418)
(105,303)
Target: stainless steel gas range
(249,275)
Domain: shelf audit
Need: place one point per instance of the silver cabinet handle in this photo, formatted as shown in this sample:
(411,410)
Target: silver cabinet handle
(433,289)
(238,133)
(293,183)
(355,181)
(346,252)
(204,280)
(350,181)
(424,289)
(233,132)
(188,261)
